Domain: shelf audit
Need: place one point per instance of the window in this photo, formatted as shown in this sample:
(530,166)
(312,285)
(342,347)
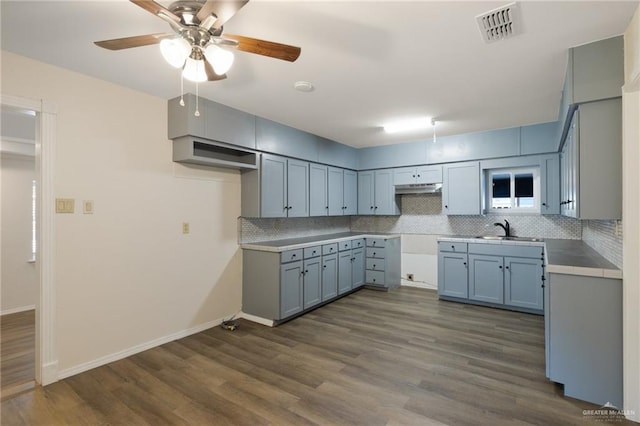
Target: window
(513,190)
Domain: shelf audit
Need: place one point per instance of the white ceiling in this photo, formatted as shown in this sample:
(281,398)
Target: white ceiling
(370,61)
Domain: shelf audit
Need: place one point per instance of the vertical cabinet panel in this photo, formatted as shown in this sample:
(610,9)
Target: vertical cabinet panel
(384,193)
(329,277)
(365,193)
(486,278)
(318,195)
(350,194)
(461,189)
(344,271)
(297,188)
(273,186)
(550,184)
(291,290)
(522,282)
(357,269)
(336,192)
(312,282)
(452,275)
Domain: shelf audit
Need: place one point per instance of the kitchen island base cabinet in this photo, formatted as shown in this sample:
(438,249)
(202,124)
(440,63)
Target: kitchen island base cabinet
(382,262)
(583,337)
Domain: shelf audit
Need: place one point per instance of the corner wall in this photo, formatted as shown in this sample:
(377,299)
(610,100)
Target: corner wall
(127,278)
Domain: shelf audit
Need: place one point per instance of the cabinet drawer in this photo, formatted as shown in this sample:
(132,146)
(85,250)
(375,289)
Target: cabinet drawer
(329,248)
(290,255)
(452,246)
(506,250)
(357,243)
(376,242)
(373,252)
(344,245)
(375,264)
(374,277)
(310,252)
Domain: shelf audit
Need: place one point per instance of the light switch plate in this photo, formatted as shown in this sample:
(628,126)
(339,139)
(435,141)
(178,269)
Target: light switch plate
(185,227)
(87,206)
(65,205)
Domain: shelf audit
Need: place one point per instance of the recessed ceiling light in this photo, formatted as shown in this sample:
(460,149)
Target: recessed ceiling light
(408,125)
(303,86)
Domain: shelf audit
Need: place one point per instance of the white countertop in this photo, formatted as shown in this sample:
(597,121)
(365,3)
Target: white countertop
(298,243)
(572,257)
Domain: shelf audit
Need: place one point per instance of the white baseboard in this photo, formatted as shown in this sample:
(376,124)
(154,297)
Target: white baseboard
(258,320)
(418,284)
(49,373)
(137,349)
(18,309)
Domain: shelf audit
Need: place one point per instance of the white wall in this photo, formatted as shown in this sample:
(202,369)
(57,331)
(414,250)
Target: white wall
(19,279)
(126,276)
(420,258)
(630,209)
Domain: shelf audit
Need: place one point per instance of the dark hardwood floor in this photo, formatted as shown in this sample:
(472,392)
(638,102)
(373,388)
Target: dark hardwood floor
(372,358)
(17,355)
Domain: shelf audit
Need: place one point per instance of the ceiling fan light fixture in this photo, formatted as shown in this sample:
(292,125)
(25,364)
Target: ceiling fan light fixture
(220,59)
(175,51)
(194,70)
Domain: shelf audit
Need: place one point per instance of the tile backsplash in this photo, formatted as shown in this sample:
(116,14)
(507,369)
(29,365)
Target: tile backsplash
(605,237)
(422,214)
(251,230)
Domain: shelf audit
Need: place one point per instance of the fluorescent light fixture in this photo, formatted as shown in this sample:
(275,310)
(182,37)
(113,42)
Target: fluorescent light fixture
(408,125)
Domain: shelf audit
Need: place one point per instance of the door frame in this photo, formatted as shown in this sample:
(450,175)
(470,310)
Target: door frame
(46,366)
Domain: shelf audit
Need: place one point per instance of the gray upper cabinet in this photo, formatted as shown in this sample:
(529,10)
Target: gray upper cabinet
(350,194)
(216,122)
(336,192)
(591,162)
(472,146)
(550,184)
(414,175)
(539,138)
(337,154)
(284,188)
(279,139)
(376,193)
(461,188)
(318,195)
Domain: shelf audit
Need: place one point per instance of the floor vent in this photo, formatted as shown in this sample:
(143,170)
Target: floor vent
(499,23)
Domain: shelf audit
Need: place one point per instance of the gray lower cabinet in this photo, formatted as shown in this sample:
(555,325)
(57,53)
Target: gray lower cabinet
(291,289)
(509,276)
(345,271)
(357,269)
(382,262)
(329,276)
(312,282)
(453,279)
(583,337)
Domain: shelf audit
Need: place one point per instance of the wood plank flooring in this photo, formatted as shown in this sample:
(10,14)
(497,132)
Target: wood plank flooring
(372,358)
(17,354)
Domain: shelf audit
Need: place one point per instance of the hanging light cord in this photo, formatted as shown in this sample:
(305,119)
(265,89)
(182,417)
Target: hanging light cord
(433,124)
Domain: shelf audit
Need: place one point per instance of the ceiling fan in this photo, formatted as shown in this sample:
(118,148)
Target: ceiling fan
(198,45)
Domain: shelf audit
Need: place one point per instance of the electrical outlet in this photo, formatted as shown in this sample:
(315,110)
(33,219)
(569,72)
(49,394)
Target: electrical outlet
(87,206)
(410,277)
(185,227)
(65,205)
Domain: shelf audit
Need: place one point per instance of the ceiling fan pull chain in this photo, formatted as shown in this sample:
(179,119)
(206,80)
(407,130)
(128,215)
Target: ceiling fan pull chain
(181,89)
(197,113)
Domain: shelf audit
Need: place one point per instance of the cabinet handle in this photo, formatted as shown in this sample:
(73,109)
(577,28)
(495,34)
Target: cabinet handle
(324,266)
(464,263)
(293,255)
(306,271)
(453,247)
(413,175)
(446,206)
(326,207)
(544,204)
(418,175)
(371,207)
(506,267)
(500,266)
(376,207)
(353,258)
(374,266)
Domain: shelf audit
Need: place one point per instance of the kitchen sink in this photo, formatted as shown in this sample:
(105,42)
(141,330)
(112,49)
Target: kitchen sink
(491,237)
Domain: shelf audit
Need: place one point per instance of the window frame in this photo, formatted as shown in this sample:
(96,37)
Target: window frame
(512,171)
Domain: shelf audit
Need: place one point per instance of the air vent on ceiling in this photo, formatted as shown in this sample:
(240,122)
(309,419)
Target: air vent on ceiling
(499,23)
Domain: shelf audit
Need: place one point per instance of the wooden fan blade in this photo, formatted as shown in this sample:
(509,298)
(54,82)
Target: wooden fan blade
(266,48)
(223,10)
(211,74)
(155,8)
(135,41)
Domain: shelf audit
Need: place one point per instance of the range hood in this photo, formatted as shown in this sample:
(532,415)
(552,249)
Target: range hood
(419,188)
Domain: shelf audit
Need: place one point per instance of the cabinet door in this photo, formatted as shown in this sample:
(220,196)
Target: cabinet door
(357,267)
(273,186)
(523,282)
(329,277)
(297,188)
(365,193)
(486,278)
(461,189)
(350,192)
(452,275)
(344,272)
(550,184)
(312,283)
(336,189)
(429,174)
(385,193)
(404,176)
(290,289)
(318,202)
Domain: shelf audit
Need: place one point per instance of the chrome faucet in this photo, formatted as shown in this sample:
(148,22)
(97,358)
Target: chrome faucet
(506,227)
